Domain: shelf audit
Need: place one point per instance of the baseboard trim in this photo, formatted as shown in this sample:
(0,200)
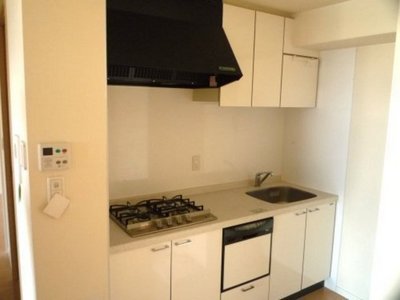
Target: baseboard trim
(305,291)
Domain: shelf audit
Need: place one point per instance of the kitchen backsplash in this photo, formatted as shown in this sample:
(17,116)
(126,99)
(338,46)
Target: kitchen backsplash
(154,133)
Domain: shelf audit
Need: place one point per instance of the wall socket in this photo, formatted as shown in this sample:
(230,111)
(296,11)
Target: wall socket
(54,185)
(196,163)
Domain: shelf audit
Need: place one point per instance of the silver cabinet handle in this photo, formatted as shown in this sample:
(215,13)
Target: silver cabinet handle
(183,242)
(245,289)
(301,213)
(313,210)
(160,248)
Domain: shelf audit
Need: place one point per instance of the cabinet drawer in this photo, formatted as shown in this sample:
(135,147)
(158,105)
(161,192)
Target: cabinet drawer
(255,290)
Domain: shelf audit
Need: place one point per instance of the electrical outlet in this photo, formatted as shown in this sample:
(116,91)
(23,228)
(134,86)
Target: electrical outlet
(55,185)
(196,163)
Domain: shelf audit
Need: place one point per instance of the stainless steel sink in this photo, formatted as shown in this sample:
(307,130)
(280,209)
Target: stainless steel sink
(281,194)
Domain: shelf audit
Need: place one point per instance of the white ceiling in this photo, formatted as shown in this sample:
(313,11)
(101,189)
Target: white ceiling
(283,7)
(288,7)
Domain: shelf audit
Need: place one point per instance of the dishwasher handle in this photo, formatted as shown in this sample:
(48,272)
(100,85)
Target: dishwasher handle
(247,231)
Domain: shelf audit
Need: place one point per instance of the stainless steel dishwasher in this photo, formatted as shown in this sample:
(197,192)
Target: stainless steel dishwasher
(246,253)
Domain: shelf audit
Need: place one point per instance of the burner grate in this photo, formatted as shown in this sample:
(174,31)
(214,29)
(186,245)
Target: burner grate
(152,215)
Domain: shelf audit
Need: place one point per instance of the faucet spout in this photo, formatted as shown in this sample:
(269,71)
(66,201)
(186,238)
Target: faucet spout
(261,176)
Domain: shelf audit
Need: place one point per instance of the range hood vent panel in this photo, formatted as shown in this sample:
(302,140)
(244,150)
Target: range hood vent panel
(160,51)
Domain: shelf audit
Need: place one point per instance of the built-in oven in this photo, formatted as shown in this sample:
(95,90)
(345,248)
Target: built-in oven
(246,254)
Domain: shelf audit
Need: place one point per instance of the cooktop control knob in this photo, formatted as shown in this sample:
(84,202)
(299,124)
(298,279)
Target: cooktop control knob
(178,219)
(188,218)
(159,223)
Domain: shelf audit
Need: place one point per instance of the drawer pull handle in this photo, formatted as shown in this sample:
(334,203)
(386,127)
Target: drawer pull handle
(301,213)
(183,242)
(313,210)
(160,248)
(245,289)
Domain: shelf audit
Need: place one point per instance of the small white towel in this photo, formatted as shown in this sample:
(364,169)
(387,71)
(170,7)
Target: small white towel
(56,206)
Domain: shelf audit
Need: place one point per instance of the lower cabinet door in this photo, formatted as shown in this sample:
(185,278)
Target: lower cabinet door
(141,273)
(287,254)
(196,267)
(255,290)
(318,245)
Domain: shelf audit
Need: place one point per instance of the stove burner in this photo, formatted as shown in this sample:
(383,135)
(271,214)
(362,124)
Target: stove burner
(152,215)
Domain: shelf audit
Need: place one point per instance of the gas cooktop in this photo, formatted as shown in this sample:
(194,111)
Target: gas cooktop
(156,215)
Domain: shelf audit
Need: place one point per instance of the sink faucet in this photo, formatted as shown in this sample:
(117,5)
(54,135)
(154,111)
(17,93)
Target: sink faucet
(261,176)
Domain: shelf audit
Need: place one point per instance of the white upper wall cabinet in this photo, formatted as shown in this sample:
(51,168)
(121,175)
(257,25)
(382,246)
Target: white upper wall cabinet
(299,81)
(267,60)
(238,24)
(299,73)
(289,47)
(259,41)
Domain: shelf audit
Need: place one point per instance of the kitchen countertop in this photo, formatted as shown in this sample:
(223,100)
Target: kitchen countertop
(231,206)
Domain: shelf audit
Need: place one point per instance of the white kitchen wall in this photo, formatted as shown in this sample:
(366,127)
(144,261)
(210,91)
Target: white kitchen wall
(154,132)
(316,140)
(315,145)
(371,95)
(57,92)
(386,265)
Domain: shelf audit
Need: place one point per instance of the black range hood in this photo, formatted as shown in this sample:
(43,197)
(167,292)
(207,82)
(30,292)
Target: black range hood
(168,43)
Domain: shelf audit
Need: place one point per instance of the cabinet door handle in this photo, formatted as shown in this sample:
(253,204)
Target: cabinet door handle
(313,210)
(300,213)
(160,248)
(183,242)
(245,289)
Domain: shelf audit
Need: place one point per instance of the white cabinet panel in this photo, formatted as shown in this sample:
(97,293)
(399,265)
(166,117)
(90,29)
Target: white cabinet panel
(141,273)
(287,254)
(267,60)
(196,267)
(318,244)
(299,81)
(238,24)
(255,290)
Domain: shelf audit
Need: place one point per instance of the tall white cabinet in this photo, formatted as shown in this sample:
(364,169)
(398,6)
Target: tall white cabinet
(238,24)
(188,268)
(301,249)
(268,47)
